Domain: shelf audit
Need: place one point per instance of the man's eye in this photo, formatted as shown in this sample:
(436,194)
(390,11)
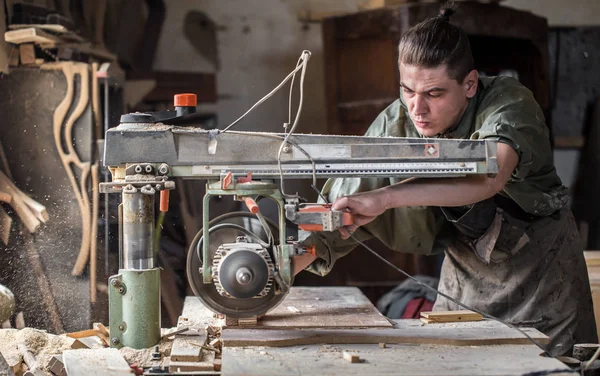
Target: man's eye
(435,94)
(407,91)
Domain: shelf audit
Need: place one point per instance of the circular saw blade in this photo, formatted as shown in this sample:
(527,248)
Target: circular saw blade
(207,293)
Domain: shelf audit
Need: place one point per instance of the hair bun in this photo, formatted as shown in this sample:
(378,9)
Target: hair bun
(446,11)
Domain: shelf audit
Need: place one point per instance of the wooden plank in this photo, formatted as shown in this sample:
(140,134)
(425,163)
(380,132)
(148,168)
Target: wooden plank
(59,29)
(30,35)
(324,307)
(422,335)
(92,362)
(306,307)
(188,348)
(207,364)
(451,316)
(393,360)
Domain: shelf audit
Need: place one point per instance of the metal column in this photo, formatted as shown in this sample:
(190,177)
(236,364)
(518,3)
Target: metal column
(134,293)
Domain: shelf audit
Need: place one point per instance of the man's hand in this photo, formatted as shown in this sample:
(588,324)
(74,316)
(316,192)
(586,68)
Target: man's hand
(365,207)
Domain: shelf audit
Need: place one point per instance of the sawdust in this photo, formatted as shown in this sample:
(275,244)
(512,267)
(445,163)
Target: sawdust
(143,357)
(329,348)
(43,345)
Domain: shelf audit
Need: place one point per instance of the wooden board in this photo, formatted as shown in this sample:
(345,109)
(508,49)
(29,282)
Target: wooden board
(325,307)
(30,35)
(207,364)
(450,316)
(307,307)
(413,360)
(422,335)
(93,362)
(188,348)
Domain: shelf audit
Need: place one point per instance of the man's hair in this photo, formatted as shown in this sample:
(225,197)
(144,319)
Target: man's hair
(435,42)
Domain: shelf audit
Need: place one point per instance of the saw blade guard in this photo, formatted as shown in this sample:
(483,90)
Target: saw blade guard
(242,267)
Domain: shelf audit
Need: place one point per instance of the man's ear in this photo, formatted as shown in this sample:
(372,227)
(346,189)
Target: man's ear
(470,83)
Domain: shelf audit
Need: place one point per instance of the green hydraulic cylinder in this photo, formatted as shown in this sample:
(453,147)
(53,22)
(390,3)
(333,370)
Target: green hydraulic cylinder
(134,293)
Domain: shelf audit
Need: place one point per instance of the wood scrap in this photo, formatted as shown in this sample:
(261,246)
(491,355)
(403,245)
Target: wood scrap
(30,361)
(5,369)
(27,53)
(450,316)
(207,364)
(351,357)
(91,342)
(188,348)
(106,361)
(217,363)
(56,366)
(83,333)
(30,212)
(5,226)
(103,332)
(13,56)
(31,35)
(55,29)
(5,197)
(177,331)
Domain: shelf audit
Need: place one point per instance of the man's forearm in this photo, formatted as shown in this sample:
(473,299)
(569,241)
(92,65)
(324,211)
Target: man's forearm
(440,192)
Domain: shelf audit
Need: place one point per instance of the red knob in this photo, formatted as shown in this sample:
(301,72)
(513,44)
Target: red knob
(185,100)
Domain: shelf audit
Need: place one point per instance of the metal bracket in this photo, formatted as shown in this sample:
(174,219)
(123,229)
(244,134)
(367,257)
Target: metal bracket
(212,141)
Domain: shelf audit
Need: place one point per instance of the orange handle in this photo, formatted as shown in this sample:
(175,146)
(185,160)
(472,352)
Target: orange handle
(164,201)
(251,204)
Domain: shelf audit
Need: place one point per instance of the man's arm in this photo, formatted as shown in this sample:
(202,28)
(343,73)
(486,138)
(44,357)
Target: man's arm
(429,192)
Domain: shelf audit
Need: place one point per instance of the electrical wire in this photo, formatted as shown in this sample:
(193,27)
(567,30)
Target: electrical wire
(304,62)
(269,95)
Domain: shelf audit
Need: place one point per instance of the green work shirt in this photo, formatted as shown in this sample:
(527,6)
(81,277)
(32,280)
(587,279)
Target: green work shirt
(502,109)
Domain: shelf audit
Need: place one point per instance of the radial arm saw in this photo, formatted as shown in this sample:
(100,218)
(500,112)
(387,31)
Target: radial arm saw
(240,264)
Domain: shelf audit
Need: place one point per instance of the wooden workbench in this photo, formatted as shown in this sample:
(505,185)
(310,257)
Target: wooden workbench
(309,331)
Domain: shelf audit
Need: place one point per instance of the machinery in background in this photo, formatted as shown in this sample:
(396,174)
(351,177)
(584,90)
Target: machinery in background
(240,264)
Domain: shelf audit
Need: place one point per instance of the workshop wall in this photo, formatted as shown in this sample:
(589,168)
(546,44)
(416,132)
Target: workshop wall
(560,13)
(257,46)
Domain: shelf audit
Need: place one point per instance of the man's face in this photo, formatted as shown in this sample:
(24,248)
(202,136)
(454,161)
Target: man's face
(435,101)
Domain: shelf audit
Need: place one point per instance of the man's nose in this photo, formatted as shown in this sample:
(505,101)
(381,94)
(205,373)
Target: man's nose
(420,105)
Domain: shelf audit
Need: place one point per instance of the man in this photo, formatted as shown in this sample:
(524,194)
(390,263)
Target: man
(512,247)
